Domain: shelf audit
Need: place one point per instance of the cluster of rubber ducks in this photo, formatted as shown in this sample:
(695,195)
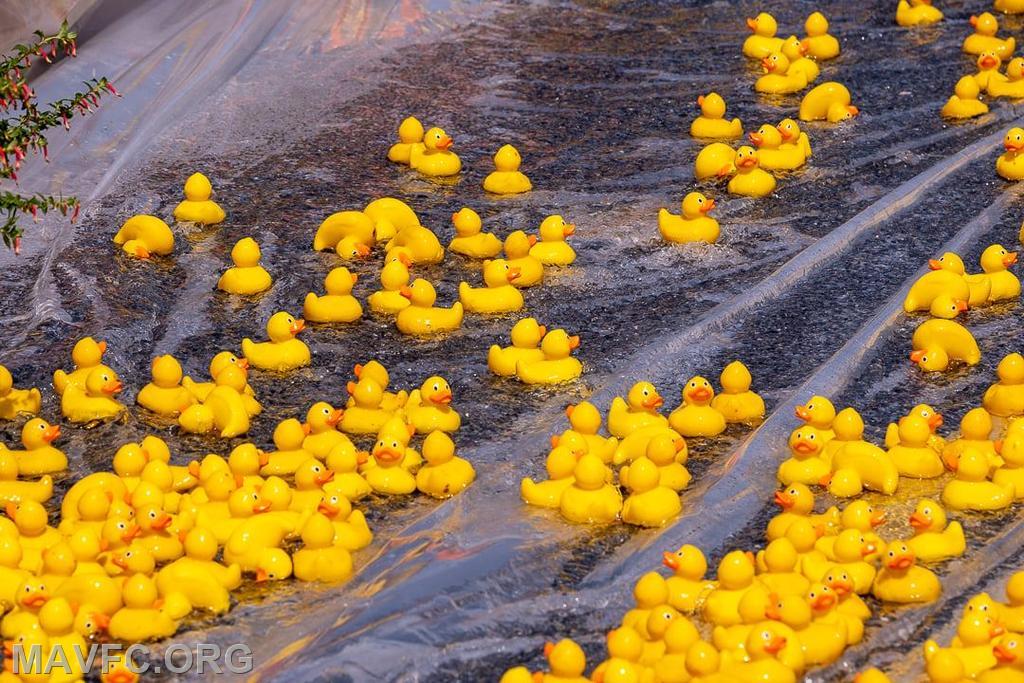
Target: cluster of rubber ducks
(991,52)
(945,292)
(648,448)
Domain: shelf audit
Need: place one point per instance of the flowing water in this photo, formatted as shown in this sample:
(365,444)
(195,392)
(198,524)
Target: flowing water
(289,108)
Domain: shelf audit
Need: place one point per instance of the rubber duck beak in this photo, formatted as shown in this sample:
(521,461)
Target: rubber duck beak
(569,411)
(542,329)
(388,455)
(328,510)
(35,599)
(445,143)
(756,138)
(854,111)
(998,446)
(51,434)
(752,25)
(868,549)
(101,620)
(935,421)
(786,134)
(306,428)
(362,457)
(442,398)
(297,326)
(335,417)
(569,229)
(916,356)
(841,587)
(532,239)
(548,648)
(878,519)
(574,342)
(996,631)
(261,575)
(805,47)
(406,292)
(699,394)
(803,413)
(700,100)
(119,561)
(961,306)
(805,447)
(1003,654)
(768,64)
(11,510)
(934,264)
(772,611)
(112,388)
(973,20)
(102,345)
(162,522)
(708,206)
(325,477)
(362,251)
(1009,259)
(670,560)
(919,521)
(988,62)
(680,444)
(131,534)
(260,508)
(355,278)
(775,645)
(824,601)
(357,370)
(555,439)
(655,401)
(264,458)
(514,274)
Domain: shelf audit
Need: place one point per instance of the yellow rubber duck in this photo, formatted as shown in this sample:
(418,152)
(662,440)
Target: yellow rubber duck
(829,101)
(852,607)
(201,581)
(145,236)
(942,279)
(1010,164)
(324,437)
(687,586)
(14,402)
(356,225)
(669,455)
(901,581)
(736,402)
(912,454)
(96,400)
(444,474)
(517,674)
(420,244)
(436,158)
(1009,653)
(1011,613)
(851,549)
(497,295)
(14,491)
(526,336)
(797,502)
(141,619)
(763,647)
(795,51)
(165,395)
(283,351)
(975,429)
(351,531)
(793,136)
(936,342)
(638,410)
(247,276)
(995,262)
(625,648)
(874,466)
(393,277)
(1011,473)
(388,476)
(517,252)
(224,411)
(225,360)
(861,516)
(1012,85)
(344,460)
(310,478)
(366,414)
(964,102)
(289,435)
(506,178)
(803,534)
(421,317)
(750,180)
(649,502)
(85,355)
(763,42)
(319,558)
(805,464)
(695,416)
(585,422)
(735,577)
(410,135)
(693,224)
(716,160)
(337,305)
(971,490)
(429,408)
(349,248)
(557,365)
(469,239)
(820,44)
(590,499)
(972,653)
(552,249)
(389,215)
(978,285)
(917,13)
(712,122)
(822,643)
(984,38)
(772,154)
(988,70)
(197,207)
(566,661)
(560,466)
(779,565)
(934,539)
(778,78)
(39,456)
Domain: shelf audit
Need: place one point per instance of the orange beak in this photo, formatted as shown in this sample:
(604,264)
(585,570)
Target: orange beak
(362,251)
(708,206)
(162,522)
(260,508)
(1003,654)
(854,111)
(988,62)
(327,509)
(680,444)
(1013,146)
(919,521)
(998,446)
(445,143)
(335,417)
(805,447)
(119,561)
(784,500)
(824,601)
(916,356)
(877,519)
(752,24)
(934,264)
(901,562)
(362,457)
(775,645)
(772,611)
(841,586)
(102,620)
(653,402)
(442,398)
(747,162)
(51,434)
(297,326)
(961,305)
(261,575)
(756,138)
(102,346)
(699,394)
(548,648)
(113,387)
(805,47)
(264,458)
(569,411)
(324,477)
(868,549)
(357,370)
(388,455)
(973,20)
(569,229)
(670,560)
(532,239)
(555,439)
(700,100)
(768,64)
(935,421)
(574,342)
(35,599)
(514,274)
(1010,259)
(542,329)
(786,134)
(406,292)
(996,631)
(243,363)
(803,413)
(131,534)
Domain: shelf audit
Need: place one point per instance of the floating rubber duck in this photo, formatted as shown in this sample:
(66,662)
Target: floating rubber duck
(436,158)
(820,44)
(144,236)
(429,408)
(735,577)
(393,277)
(517,252)
(763,42)
(14,402)
(984,37)
(590,499)
(1012,85)
(566,661)
(971,490)
(337,305)
(695,416)
(421,317)
(772,154)
(366,413)
(712,122)
(1010,164)
(874,466)
(716,160)
(319,558)
(736,402)
(389,215)
(39,456)
(356,225)
(86,354)
(557,366)
(822,643)
(693,224)
(803,534)
(912,454)
(1011,473)
(638,410)
(936,342)
(1009,652)
(763,648)
(444,474)
(419,243)
(805,464)
(978,284)
(750,180)
(793,136)
(344,460)
(964,102)
(934,538)
(625,648)
(552,249)
(197,207)
(649,503)
(795,51)
(975,429)
(323,437)
(283,351)
(829,101)
(165,395)
(410,135)
(202,580)
(778,564)
(14,491)
(497,295)
(388,476)
(862,517)
(94,401)
(669,455)
(506,178)
(797,502)
(526,336)
(289,435)
(687,585)
(988,70)
(942,279)
(972,653)
(560,466)
(851,549)
(247,276)
(778,78)
(224,412)
(585,423)
(141,619)
(995,262)
(917,13)
(469,240)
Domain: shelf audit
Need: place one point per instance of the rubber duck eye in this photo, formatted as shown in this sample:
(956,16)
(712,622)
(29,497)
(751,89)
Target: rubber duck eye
(394,444)
(892,554)
(121,525)
(42,428)
(436,386)
(810,406)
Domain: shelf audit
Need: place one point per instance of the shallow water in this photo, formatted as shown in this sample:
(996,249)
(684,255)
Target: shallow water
(804,287)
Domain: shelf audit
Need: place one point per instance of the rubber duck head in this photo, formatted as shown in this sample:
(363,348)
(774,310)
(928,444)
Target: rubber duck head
(166,371)
(226,359)
(561,462)
(712,105)
(928,516)
(967,88)
(791,610)
(89,621)
(32,594)
(283,327)
(29,516)
(565,658)
(643,475)
(763,25)
(695,205)
(275,494)
(134,560)
(789,130)
(467,222)
(746,158)
(85,544)
(821,599)
(102,381)
(804,442)
(794,48)
(976,424)
(198,188)
(395,275)
(996,259)
(851,546)
(420,293)
(498,273)
(848,425)
(557,344)
(816,25)
(139,592)
(200,544)
(438,448)
(527,333)
(643,396)
(518,243)
(767,137)
(339,281)
(312,475)
(366,393)
(38,433)
(410,130)
(862,516)
(318,532)
(650,591)
(972,466)
(352,248)
(688,562)
(839,581)
(518,674)
(245,502)
(659,620)
(702,659)
(335,507)
(796,498)
(914,430)
(775,63)
(436,140)
(899,557)
(1015,69)
(950,261)
(840,112)
(323,417)
(1011,369)
(978,629)
(88,352)
(246,253)
(736,570)
(946,307)
(985,23)
(845,482)
(765,642)
(507,159)
(374,370)
(1009,649)
(1015,589)
(988,61)
(152,519)
(388,450)
(817,412)
(929,414)
(664,449)
(118,531)
(698,392)
(1013,141)
(625,643)
(981,604)
(875,675)
(58,559)
(436,391)
(589,472)
(396,428)
(802,533)
(289,435)
(554,228)
(780,556)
